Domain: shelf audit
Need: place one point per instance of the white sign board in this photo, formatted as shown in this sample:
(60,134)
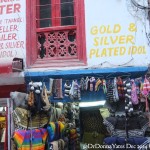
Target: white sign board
(115,35)
(12,30)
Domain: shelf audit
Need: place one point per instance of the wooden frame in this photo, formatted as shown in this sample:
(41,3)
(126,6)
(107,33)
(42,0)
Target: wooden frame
(31,41)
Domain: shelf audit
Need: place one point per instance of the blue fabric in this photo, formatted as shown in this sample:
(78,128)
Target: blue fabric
(51,133)
(122,141)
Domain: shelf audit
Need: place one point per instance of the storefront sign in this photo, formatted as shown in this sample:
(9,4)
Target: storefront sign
(114,36)
(12,31)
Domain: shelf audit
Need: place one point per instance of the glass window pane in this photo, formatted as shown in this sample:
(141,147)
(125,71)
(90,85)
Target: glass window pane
(67,12)
(45,13)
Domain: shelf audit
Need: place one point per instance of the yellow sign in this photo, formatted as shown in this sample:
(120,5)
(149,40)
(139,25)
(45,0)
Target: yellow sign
(107,41)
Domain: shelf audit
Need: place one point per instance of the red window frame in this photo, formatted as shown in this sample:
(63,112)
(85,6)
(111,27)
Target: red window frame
(31,39)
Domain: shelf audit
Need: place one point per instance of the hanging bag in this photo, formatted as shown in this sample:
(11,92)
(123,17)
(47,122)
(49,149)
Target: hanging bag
(45,99)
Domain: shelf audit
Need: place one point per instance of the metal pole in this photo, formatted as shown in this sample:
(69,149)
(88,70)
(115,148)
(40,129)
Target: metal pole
(8,106)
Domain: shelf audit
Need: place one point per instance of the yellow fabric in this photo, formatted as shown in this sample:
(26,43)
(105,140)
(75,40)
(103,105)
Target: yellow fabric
(2,119)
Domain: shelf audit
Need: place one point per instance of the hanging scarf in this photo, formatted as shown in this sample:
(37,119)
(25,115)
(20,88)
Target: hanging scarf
(134,97)
(120,89)
(97,84)
(92,84)
(115,90)
(145,92)
(104,86)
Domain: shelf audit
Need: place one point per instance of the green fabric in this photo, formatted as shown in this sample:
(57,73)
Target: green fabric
(93,138)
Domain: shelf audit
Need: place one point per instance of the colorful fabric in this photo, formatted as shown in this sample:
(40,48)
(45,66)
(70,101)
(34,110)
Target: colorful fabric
(134,97)
(61,128)
(115,90)
(97,84)
(120,89)
(30,139)
(75,91)
(146,87)
(55,131)
(51,131)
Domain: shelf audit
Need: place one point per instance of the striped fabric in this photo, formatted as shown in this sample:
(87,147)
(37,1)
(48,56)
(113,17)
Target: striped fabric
(55,130)
(110,123)
(110,127)
(131,133)
(109,95)
(30,139)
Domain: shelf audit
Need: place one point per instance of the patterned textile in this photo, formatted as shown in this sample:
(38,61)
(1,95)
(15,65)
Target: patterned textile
(75,91)
(146,86)
(136,126)
(92,121)
(109,95)
(21,115)
(134,96)
(115,90)
(130,144)
(55,131)
(120,88)
(30,139)
(131,133)
(145,92)
(67,87)
(128,102)
(57,89)
(92,83)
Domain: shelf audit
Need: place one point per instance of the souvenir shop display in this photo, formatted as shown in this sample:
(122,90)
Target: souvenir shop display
(129,126)
(50,115)
(42,124)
